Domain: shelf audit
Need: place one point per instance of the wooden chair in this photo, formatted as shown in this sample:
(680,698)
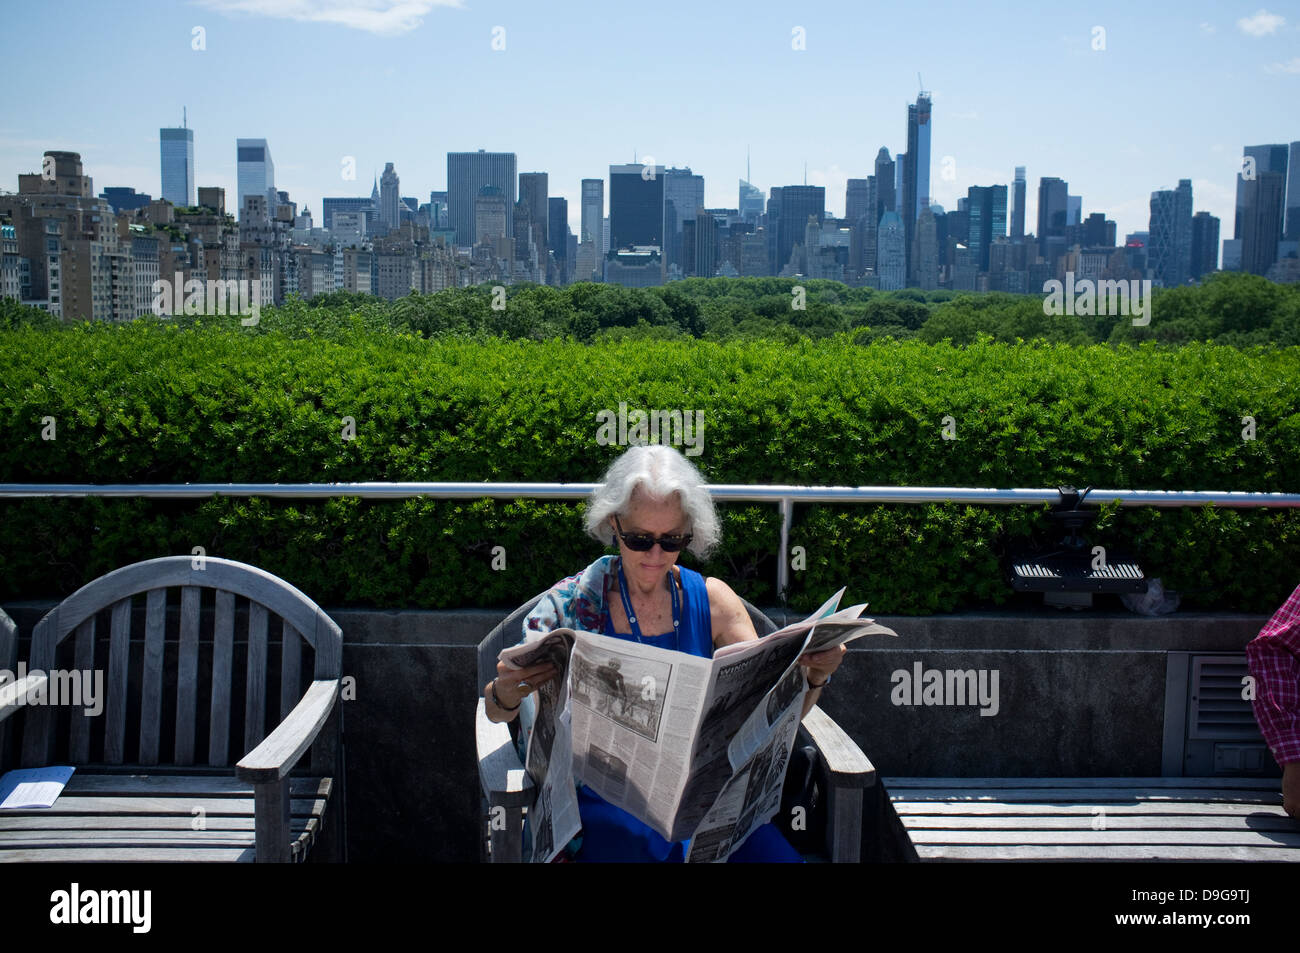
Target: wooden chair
(156,777)
(836,780)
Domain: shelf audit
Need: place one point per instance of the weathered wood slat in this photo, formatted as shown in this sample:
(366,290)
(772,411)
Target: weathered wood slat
(845,762)
(119,656)
(271,832)
(281,749)
(125,838)
(1083,822)
(8,662)
(1243,838)
(155,621)
(290,669)
(1091,795)
(255,679)
(116,804)
(84,661)
(122,855)
(1120,782)
(502,777)
(159,785)
(1110,852)
(1026,810)
(68,822)
(97,840)
(187,676)
(223,648)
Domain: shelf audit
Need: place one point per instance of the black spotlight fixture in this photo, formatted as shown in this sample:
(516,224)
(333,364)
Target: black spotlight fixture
(1068,574)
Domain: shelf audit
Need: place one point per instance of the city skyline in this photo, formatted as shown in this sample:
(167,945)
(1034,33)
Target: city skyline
(850,105)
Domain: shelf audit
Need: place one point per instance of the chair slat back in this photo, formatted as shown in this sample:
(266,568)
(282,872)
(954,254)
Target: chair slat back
(255,684)
(180,690)
(223,653)
(119,658)
(9,663)
(151,675)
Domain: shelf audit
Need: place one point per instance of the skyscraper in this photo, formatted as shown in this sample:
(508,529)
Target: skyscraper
(1018,205)
(1170,246)
(390,214)
(986,206)
(636,206)
(467,173)
(926,254)
(683,194)
(855,200)
(1291,224)
(557,231)
(885,195)
(1052,203)
(1256,160)
(491,219)
(255,171)
(751,203)
(593,216)
(891,258)
(797,203)
(1205,244)
(918,151)
(1261,225)
(177,156)
(533,191)
(916,173)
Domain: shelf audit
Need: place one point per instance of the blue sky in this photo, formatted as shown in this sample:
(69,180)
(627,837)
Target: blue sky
(1175,91)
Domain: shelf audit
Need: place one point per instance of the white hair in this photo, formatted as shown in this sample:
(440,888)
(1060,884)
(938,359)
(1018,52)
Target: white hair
(660,472)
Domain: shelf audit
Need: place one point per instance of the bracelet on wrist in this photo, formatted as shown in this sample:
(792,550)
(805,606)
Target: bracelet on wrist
(496,699)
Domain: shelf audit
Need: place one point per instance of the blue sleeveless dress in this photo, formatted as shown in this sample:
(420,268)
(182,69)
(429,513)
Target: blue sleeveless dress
(610,834)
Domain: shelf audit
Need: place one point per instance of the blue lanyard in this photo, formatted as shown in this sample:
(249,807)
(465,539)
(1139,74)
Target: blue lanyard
(631,618)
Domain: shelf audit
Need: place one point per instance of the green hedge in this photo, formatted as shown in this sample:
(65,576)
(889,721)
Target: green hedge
(157,403)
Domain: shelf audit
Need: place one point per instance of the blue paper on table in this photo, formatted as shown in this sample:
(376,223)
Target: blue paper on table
(33,787)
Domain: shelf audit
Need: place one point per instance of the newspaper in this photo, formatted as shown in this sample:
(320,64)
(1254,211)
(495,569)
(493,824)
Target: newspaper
(694,747)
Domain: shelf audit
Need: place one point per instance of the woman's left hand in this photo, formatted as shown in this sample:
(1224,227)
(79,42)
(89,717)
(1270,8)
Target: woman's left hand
(819,666)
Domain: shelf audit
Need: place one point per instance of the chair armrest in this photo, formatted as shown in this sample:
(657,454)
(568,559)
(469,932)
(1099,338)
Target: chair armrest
(846,765)
(13,695)
(500,772)
(281,749)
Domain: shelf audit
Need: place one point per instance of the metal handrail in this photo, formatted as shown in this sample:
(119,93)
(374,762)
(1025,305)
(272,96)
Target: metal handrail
(785,496)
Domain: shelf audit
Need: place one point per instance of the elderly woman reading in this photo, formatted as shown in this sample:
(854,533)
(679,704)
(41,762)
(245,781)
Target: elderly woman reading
(653,503)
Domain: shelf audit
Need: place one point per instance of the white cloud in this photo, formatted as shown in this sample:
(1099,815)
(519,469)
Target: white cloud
(1261,24)
(1291,66)
(1208,28)
(382,17)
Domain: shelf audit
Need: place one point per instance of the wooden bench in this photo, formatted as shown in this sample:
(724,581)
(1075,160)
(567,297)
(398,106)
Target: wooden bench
(157,777)
(1096,819)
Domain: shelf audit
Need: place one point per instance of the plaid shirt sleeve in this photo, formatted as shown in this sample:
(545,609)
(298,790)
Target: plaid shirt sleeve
(1274,658)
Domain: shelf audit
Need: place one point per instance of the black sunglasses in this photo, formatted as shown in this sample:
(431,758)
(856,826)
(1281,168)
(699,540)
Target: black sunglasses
(644,542)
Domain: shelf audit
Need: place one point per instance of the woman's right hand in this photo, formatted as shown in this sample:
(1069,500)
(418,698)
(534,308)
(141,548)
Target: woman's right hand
(515,684)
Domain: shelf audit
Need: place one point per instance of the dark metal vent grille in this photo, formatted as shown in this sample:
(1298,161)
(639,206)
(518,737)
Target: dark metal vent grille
(1217,710)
